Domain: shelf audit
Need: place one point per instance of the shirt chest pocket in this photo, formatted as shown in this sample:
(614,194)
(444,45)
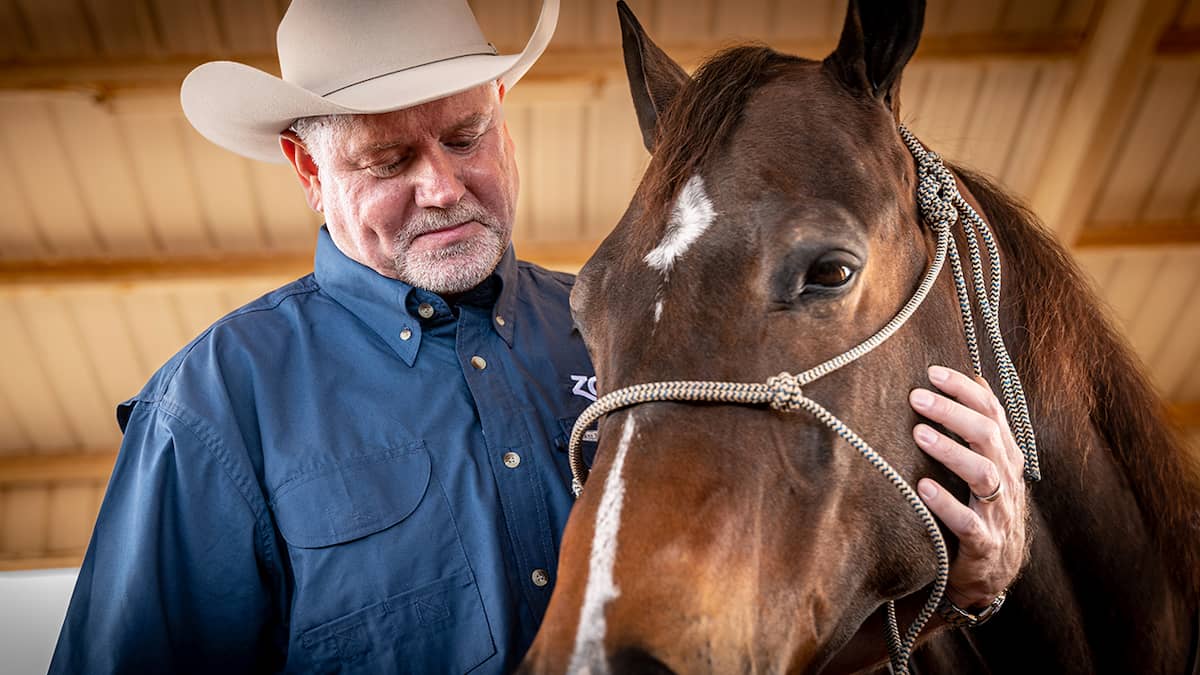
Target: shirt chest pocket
(381,580)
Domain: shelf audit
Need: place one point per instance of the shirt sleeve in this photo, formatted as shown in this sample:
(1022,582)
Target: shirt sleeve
(180,575)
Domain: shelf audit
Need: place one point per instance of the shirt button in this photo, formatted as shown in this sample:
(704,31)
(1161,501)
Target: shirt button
(540,577)
(478,362)
(405,334)
(512,460)
(425,310)
(500,320)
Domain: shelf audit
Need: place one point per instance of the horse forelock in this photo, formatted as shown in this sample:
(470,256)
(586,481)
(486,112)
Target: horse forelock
(1072,356)
(700,119)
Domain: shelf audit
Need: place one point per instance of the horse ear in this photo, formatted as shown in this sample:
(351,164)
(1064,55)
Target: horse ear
(878,39)
(654,79)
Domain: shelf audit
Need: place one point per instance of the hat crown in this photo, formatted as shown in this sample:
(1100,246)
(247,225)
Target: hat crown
(328,45)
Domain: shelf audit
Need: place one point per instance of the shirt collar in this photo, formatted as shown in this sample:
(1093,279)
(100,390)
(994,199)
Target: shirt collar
(390,307)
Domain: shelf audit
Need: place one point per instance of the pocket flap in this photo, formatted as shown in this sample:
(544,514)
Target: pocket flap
(356,498)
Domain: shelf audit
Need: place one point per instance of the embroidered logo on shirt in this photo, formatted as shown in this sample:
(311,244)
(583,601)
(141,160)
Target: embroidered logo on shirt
(585,386)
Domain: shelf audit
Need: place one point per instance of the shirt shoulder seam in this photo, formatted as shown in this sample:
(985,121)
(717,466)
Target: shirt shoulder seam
(309,286)
(194,425)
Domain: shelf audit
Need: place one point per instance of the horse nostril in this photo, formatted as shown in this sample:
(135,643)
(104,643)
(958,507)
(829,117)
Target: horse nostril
(637,661)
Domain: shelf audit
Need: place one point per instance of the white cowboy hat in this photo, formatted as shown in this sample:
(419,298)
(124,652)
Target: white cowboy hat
(352,56)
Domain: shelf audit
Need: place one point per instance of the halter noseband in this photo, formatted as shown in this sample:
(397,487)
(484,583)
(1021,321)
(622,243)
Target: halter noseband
(942,205)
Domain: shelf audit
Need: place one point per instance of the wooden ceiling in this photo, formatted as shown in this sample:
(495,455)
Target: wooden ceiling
(126,233)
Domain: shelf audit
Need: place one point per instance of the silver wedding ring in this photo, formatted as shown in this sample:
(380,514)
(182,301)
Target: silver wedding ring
(992,497)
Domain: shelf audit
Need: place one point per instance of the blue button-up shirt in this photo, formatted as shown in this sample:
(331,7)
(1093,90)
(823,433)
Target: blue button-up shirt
(347,474)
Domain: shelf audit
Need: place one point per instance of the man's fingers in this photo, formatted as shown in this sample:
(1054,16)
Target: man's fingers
(982,432)
(967,390)
(977,471)
(977,394)
(962,521)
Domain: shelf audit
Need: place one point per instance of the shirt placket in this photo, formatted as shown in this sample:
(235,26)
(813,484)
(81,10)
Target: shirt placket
(502,407)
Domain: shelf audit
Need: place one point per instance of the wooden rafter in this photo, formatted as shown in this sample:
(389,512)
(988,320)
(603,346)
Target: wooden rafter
(82,272)
(1180,42)
(567,255)
(1171,234)
(1113,64)
(58,467)
(42,562)
(107,77)
(1186,414)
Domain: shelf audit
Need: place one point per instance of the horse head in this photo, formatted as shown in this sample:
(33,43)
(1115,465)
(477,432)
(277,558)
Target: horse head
(776,227)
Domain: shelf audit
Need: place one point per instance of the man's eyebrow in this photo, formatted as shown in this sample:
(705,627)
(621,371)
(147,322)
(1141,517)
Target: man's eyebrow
(474,121)
(373,148)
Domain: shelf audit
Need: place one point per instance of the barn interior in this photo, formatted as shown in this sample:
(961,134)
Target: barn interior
(127,233)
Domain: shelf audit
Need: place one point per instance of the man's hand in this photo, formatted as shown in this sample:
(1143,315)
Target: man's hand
(991,534)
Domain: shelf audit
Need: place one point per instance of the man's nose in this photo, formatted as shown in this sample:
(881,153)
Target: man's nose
(437,181)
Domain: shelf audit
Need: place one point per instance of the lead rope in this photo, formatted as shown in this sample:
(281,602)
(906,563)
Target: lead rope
(940,204)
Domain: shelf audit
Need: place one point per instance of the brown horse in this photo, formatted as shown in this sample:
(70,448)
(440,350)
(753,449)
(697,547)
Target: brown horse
(775,228)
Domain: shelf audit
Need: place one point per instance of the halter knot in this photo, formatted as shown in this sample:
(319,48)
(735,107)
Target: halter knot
(785,392)
(935,190)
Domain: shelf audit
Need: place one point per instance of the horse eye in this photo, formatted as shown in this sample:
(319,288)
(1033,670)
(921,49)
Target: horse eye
(828,274)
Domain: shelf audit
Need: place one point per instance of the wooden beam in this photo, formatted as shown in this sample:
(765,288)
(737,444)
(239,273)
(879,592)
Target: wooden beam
(29,468)
(1113,64)
(159,270)
(567,255)
(1186,415)
(1179,42)
(91,272)
(1173,235)
(104,78)
(43,562)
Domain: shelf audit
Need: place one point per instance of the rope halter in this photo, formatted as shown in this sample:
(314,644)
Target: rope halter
(942,206)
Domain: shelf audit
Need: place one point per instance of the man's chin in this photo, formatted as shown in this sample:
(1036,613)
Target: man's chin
(447,275)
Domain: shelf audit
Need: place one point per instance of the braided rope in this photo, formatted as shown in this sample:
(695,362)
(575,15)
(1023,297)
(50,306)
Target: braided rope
(942,205)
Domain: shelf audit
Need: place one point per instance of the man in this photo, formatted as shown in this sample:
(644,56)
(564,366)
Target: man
(365,470)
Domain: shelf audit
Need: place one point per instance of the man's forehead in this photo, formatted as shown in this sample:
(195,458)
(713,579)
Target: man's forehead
(431,119)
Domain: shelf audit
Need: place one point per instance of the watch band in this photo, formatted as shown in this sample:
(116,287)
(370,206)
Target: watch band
(960,618)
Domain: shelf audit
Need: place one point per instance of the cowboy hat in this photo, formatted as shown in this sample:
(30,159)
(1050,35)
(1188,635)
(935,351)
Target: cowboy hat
(350,57)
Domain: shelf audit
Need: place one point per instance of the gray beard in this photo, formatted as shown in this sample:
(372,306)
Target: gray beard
(454,269)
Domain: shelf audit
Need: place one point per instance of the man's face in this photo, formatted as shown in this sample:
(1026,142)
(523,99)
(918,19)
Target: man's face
(426,195)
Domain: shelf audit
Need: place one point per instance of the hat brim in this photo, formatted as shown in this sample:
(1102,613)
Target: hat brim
(244,109)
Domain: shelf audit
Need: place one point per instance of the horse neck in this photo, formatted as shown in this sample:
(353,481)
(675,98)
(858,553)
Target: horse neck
(1099,592)
(1114,570)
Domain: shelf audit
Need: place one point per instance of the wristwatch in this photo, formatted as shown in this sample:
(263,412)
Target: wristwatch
(960,618)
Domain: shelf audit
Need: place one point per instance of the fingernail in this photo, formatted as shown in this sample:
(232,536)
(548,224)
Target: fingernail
(938,374)
(927,489)
(926,435)
(922,398)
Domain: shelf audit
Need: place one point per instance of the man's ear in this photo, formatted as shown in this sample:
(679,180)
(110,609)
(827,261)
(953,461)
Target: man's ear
(878,39)
(654,79)
(305,166)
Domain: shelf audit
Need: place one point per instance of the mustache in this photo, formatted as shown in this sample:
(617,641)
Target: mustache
(432,220)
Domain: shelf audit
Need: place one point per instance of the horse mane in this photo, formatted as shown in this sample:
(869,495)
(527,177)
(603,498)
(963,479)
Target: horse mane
(1071,346)
(701,117)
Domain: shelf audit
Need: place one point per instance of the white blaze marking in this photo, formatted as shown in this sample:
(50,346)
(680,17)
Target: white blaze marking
(589,657)
(690,217)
